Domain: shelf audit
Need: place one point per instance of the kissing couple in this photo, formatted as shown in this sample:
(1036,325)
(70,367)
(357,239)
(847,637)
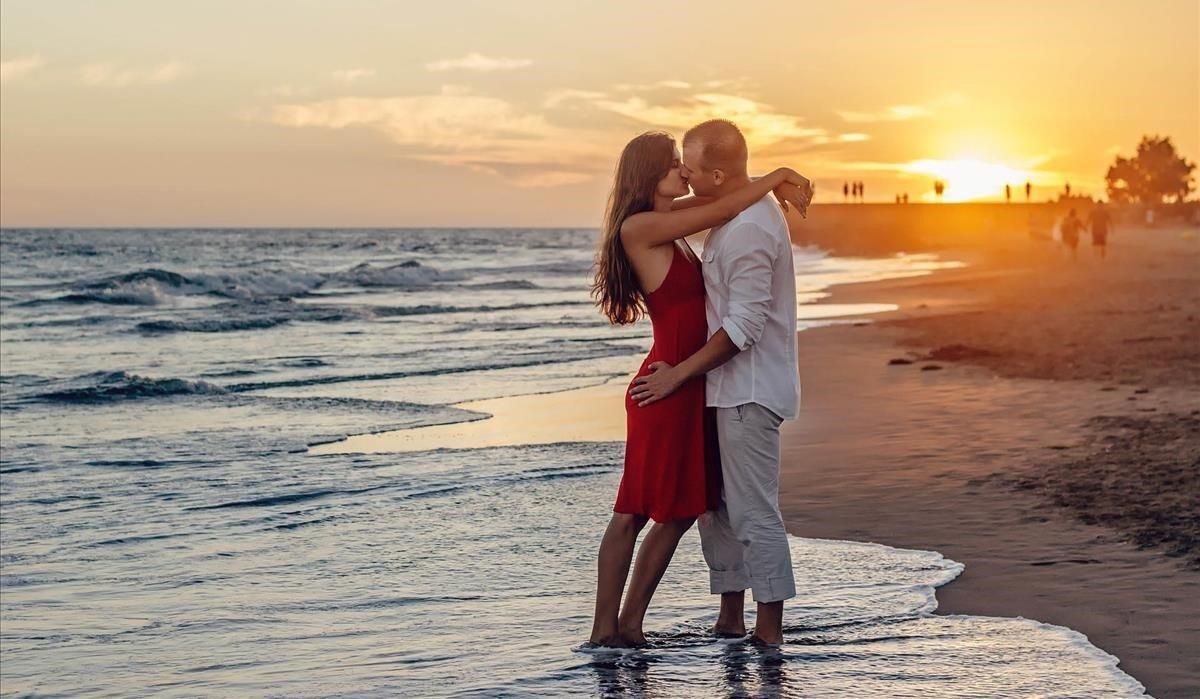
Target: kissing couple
(703,412)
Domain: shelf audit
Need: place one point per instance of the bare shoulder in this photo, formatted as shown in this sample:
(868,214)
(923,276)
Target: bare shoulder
(632,225)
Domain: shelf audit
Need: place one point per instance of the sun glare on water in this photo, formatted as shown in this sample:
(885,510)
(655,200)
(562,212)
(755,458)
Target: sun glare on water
(968,179)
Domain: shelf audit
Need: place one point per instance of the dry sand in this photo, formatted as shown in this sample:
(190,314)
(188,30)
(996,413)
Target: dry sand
(1053,442)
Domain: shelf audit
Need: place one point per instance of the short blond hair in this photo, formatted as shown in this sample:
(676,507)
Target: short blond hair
(722,146)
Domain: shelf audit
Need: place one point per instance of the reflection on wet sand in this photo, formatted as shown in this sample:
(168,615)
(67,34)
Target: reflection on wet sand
(593,414)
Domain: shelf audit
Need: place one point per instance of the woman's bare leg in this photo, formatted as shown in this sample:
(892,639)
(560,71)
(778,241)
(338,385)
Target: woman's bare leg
(612,567)
(653,557)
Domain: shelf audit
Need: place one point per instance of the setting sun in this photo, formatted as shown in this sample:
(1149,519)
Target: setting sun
(968,179)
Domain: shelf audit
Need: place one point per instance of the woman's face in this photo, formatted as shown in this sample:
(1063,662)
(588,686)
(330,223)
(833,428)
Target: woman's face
(673,184)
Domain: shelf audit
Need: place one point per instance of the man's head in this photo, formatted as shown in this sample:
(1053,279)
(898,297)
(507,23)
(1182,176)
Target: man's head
(714,157)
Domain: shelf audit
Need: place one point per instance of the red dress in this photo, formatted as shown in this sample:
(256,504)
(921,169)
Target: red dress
(672,467)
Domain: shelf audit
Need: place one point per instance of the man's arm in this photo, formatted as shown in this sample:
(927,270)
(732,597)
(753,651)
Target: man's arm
(751,268)
(664,379)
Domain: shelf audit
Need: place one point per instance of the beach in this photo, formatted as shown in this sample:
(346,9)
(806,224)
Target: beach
(1034,419)
(328,461)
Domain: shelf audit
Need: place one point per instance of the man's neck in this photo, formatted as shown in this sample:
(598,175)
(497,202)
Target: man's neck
(733,184)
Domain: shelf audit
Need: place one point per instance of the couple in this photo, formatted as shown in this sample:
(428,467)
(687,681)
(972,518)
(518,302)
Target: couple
(704,411)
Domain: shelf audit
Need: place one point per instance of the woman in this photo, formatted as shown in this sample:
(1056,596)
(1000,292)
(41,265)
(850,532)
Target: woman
(644,267)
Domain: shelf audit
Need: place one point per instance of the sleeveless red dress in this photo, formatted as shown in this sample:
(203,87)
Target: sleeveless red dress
(672,466)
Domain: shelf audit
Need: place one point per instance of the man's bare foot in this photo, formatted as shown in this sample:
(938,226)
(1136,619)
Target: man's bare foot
(721,631)
(755,639)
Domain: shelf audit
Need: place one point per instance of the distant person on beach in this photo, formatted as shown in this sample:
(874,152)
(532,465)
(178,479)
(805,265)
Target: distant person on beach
(1071,228)
(845,190)
(1007,194)
(1028,191)
(1100,223)
(644,266)
(752,382)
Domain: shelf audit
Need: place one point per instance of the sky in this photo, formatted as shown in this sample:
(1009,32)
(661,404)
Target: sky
(493,114)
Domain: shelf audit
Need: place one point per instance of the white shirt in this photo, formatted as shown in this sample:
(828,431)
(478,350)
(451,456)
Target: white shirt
(750,288)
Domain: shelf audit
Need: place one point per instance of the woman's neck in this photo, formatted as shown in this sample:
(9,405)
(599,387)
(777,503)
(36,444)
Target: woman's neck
(662,204)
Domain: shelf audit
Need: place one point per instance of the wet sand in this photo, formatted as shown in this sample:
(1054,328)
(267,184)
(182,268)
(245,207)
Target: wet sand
(1047,444)
(592,414)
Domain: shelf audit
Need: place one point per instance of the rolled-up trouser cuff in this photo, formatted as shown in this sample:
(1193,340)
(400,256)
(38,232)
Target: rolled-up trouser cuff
(722,581)
(767,590)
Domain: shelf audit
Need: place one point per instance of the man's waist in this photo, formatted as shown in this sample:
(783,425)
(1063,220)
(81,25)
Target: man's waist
(785,407)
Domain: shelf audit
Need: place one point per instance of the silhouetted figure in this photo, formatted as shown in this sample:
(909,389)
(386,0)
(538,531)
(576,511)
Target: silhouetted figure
(1028,191)
(1100,222)
(1071,228)
(1067,189)
(861,196)
(854,191)
(897,198)
(1007,194)
(845,190)
(939,188)
(906,197)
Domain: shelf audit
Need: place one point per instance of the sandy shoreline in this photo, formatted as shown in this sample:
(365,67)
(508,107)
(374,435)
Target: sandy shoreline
(910,456)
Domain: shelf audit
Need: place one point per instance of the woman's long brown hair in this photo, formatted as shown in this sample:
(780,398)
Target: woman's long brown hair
(645,160)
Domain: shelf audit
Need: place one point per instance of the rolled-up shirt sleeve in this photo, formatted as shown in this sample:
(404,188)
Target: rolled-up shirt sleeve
(749,264)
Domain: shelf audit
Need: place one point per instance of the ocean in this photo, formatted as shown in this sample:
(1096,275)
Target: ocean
(166,530)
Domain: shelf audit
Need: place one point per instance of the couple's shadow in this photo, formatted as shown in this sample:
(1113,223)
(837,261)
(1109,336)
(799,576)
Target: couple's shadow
(679,665)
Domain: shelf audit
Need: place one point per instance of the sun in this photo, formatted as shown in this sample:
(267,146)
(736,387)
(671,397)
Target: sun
(968,179)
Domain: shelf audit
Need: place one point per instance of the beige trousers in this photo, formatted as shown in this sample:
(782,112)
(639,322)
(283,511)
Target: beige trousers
(744,542)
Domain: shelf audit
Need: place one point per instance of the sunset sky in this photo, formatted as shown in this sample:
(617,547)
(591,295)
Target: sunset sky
(357,113)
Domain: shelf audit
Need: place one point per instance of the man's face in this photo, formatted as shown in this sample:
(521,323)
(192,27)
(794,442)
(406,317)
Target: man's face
(701,180)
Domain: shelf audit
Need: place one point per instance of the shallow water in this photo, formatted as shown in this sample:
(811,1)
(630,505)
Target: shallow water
(165,531)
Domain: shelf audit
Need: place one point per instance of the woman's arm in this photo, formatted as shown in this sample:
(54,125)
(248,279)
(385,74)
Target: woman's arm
(651,228)
(690,201)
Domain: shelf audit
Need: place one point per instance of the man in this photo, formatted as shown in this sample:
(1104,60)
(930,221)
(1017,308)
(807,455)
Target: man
(752,382)
(1100,223)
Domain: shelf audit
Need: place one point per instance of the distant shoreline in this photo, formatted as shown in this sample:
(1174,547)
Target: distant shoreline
(815,227)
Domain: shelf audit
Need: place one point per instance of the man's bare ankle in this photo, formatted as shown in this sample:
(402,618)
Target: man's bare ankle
(770,638)
(770,642)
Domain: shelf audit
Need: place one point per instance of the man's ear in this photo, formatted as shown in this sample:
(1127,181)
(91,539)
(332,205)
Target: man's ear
(718,177)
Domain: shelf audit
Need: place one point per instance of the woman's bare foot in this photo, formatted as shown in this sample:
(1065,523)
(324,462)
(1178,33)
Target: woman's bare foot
(633,638)
(614,641)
